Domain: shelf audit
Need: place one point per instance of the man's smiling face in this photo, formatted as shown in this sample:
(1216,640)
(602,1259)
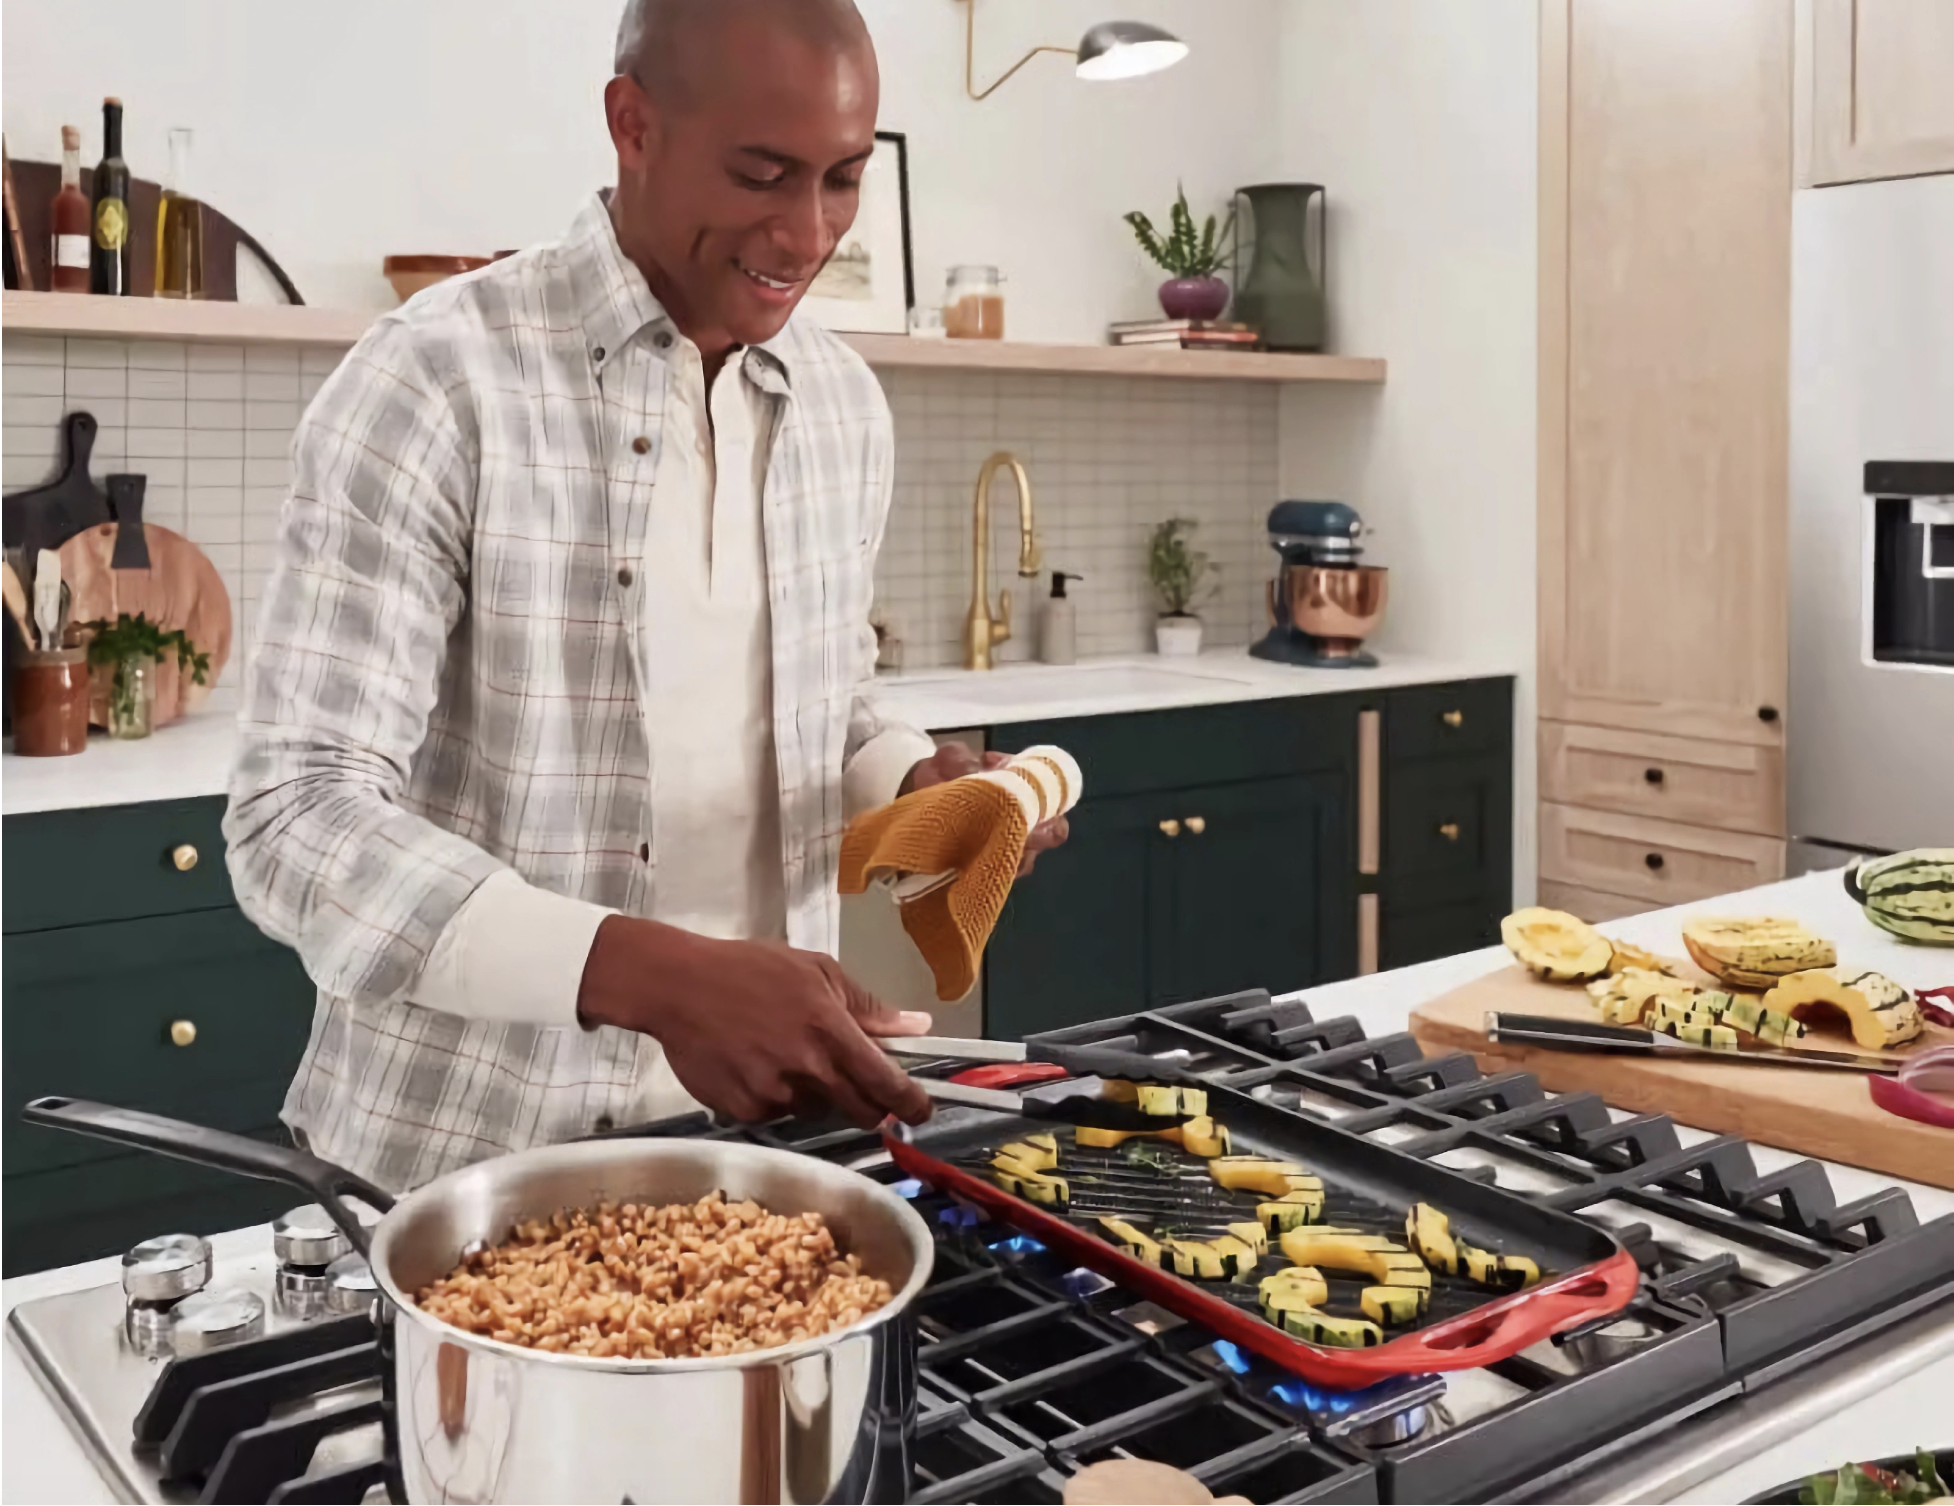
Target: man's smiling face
(741,147)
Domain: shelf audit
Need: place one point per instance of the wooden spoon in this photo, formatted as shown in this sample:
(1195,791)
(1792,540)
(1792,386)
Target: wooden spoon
(16,595)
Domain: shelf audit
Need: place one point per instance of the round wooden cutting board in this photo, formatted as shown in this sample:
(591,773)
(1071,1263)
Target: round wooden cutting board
(181,589)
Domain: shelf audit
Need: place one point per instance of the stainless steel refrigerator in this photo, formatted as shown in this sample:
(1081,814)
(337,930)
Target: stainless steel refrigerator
(1870,735)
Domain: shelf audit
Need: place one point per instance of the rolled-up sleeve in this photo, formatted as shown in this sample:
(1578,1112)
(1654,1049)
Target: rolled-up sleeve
(881,749)
(370,581)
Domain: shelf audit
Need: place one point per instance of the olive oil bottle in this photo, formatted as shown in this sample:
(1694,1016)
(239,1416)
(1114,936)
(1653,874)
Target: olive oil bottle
(179,227)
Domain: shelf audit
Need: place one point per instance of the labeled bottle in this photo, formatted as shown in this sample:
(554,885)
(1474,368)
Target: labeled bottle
(179,227)
(68,235)
(1058,638)
(108,261)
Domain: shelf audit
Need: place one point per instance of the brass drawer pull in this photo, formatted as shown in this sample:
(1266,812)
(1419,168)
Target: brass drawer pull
(1449,831)
(1197,824)
(183,857)
(182,1032)
(1454,718)
(1170,828)
(1654,776)
(1654,860)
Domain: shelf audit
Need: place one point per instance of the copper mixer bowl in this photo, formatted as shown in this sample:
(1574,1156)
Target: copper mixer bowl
(1338,605)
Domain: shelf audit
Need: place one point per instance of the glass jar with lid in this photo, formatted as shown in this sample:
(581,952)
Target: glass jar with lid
(973,304)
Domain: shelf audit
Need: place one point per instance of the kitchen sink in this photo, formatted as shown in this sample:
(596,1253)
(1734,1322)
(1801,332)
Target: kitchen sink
(1086,682)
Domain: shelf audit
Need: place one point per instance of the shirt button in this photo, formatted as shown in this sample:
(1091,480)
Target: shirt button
(644,852)
(597,353)
(663,339)
(641,445)
(625,575)
(605,1123)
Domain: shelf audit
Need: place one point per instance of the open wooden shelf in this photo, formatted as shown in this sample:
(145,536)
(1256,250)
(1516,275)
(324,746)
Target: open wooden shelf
(177,319)
(284,324)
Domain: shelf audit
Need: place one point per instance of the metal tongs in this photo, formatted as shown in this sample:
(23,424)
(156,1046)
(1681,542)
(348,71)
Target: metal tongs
(1043,1062)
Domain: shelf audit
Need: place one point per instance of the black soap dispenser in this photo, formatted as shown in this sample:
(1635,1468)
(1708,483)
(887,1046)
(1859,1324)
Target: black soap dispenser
(1058,637)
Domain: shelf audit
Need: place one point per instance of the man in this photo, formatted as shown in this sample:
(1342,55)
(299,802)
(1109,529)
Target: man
(559,703)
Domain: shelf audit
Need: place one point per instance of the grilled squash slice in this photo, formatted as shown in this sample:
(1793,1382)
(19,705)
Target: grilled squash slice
(1754,953)
(1259,1174)
(1557,945)
(1291,1211)
(1394,1306)
(1029,1182)
(1627,956)
(1307,1285)
(1429,1233)
(1140,1245)
(1253,1235)
(1882,1013)
(1505,1273)
(1203,1137)
(1037,1157)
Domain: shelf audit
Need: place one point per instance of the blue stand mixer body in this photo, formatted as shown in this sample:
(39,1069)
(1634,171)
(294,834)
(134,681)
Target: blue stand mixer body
(1311,538)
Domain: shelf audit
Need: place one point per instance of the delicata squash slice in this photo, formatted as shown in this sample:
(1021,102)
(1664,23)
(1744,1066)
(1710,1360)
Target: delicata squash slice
(1754,953)
(1557,945)
(1882,1013)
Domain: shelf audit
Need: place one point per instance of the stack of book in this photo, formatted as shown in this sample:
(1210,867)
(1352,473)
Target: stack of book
(1188,334)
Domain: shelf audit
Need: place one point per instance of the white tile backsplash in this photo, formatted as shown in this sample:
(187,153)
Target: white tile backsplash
(1108,457)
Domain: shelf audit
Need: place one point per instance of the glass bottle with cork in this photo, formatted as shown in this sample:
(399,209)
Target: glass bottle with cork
(108,261)
(68,219)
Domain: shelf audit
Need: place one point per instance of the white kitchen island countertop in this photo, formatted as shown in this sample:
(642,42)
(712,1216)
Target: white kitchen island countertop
(1888,1412)
(193,757)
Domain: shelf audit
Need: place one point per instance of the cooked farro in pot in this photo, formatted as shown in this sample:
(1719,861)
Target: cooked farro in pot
(688,1280)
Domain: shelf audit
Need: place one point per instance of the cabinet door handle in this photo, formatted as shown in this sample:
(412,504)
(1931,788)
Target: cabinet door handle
(1654,860)
(1454,718)
(1654,776)
(183,1032)
(183,857)
(1197,824)
(1170,828)
(1450,831)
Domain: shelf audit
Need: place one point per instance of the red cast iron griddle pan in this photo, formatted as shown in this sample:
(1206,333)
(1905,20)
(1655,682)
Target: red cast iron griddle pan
(1585,1273)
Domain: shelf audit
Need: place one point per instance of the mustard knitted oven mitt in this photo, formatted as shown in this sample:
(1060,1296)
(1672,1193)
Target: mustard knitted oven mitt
(951,852)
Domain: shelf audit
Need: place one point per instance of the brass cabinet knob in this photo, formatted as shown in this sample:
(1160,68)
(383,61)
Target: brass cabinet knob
(183,857)
(182,1032)
(1197,824)
(1449,831)
(1453,718)
(1654,776)
(1170,828)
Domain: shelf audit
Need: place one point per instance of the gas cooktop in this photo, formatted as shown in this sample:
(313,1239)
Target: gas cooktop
(1028,1369)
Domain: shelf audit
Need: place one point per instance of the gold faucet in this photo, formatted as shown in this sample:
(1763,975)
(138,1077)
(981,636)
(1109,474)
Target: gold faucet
(982,632)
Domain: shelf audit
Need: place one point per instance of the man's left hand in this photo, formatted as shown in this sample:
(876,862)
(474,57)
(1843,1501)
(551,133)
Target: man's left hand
(953,761)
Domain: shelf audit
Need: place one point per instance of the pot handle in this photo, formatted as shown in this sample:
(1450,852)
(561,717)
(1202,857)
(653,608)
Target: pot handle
(326,1182)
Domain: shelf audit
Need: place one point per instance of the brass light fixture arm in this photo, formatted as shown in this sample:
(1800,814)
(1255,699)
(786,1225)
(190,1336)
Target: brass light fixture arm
(970,54)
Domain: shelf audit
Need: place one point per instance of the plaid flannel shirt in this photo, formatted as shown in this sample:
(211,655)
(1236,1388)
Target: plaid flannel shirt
(446,677)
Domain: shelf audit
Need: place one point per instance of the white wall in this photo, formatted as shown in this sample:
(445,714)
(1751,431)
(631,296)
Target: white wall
(1421,118)
(338,131)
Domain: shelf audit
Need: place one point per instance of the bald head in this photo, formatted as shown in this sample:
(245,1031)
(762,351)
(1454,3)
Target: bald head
(742,130)
(667,45)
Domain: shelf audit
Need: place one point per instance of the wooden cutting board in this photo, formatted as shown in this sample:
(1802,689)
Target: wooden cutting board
(1814,1111)
(180,589)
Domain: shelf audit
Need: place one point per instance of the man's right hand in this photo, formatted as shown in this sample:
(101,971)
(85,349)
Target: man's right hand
(752,1029)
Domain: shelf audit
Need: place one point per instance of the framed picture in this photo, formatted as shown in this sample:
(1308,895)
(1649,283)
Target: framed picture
(869,285)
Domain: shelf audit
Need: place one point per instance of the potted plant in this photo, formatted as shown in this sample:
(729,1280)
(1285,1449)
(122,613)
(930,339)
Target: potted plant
(1192,291)
(121,653)
(1178,571)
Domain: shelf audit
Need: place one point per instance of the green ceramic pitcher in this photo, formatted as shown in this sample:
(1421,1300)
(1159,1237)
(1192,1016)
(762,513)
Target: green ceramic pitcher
(1282,295)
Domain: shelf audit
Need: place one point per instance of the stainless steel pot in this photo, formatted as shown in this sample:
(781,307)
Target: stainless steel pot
(471,1419)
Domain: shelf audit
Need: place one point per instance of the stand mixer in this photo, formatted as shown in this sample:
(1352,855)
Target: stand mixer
(1322,603)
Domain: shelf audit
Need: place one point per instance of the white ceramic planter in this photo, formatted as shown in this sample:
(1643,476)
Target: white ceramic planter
(1177,637)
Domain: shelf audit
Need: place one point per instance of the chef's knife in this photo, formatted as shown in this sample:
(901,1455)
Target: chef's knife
(1553,1034)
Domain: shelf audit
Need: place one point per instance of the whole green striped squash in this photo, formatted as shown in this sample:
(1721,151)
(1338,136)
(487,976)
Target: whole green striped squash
(1910,894)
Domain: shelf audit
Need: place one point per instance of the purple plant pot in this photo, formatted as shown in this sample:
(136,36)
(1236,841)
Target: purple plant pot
(1193,297)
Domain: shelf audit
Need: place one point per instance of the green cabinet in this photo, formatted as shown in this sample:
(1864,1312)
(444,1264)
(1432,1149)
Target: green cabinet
(130,976)
(1216,850)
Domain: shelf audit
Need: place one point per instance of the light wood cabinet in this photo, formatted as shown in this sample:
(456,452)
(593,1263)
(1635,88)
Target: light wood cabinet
(1659,862)
(1665,282)
(1880,76)
(1735,786)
